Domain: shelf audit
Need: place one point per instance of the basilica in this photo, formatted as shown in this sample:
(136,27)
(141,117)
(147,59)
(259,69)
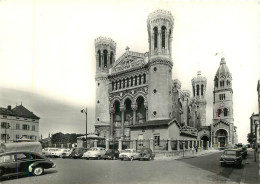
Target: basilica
(137,99)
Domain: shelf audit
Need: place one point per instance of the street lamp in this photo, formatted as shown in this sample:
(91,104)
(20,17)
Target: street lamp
(86,112)
(256,144)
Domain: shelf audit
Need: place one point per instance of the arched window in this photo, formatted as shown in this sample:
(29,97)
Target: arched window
(99,58)
(163,36)
(202,88)
(140,79)
(135,80)
(113,86)
(198,90)
(144,78)
(119,84)
(127,82)
(219,112)
(132,83)
(216,82)
(111,58)
(222,83)
(105,58)
(228,82)
(123,83)
(155,32)
(193,91)
(225,112)
(116,85)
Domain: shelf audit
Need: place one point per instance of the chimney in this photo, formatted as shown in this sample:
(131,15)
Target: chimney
(9,107)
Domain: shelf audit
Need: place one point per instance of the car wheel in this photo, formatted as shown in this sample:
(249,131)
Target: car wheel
(99,157)
(132,158)
(150,158)
(37,171)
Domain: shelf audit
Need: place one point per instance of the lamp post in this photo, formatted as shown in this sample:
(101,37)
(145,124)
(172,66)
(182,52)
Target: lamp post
(256,144)
(86,112)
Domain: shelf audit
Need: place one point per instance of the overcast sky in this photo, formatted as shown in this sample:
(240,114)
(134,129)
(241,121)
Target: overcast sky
(47,48)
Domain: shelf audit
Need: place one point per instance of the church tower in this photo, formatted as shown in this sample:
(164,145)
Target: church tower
(199,85)
(105,49)
(223,94)
(160,27)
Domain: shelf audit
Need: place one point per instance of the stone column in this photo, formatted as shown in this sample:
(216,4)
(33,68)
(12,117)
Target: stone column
(211,144)
(108,60)
(192,144)
(142,79)
(68,145)
(133,81)
(107,144)
(202,145)
(151,144)
(95,143)
(125,83)
(159,43)
(169,145)
(134,108)
(218,144)
(122,109)
(112,111)
(178,145)
(134,144)
(207,145)
(188,144)
(166,40)
(120,145)
(131,145)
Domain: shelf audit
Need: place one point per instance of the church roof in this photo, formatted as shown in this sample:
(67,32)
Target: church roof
(199,78)
(223,70)
(129,61)
(19,111)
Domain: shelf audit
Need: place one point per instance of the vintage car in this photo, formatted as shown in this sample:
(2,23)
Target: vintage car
(111,154)
(94,153)
(22,162)
(232,157)
(48,152)
(66,154)
(129,154)
(58,152)
(146,154)
(242,149)
(78,152)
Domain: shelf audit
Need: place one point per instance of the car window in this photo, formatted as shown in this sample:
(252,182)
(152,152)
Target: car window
(7,158)
(230,152)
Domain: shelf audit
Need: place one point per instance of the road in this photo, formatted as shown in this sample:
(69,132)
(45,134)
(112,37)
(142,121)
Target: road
(204,169)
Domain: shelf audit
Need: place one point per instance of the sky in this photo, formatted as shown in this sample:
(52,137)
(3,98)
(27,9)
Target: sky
(47,54)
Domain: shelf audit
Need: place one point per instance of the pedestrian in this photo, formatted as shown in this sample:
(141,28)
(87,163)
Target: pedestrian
(196,149)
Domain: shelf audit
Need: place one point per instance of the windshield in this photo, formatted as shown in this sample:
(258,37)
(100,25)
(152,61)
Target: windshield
(230,153)
(126,151)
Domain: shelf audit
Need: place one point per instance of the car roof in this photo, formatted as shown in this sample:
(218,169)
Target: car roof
(17,152)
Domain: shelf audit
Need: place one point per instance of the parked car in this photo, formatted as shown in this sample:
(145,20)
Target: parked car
(94,152)
(47,151)
(66,154)
(78,152)
(232,157)
(14,163)
(111,154)
(243,151)
(129,154)
(146,154)
(53,152)
(58,152)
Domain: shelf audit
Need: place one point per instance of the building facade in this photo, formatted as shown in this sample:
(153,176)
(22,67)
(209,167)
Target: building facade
(136,97)
(18,122)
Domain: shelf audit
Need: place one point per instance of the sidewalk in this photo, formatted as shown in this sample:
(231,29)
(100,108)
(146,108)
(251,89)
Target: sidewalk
(187,155)
(251,168)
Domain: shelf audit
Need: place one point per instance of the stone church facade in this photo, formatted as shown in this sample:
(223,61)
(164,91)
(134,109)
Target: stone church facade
(137,99)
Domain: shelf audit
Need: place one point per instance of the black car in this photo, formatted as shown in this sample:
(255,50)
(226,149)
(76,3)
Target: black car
(111,154)
(14,163)
(231,157)
(146,154)
(78,152)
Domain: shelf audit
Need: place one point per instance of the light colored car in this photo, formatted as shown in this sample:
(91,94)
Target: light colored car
(53,152)
(47,151)
(95,152)
(66,154)
(59,152)
(129,154)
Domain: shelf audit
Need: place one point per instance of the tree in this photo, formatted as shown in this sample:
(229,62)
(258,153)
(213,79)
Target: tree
(250,138)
